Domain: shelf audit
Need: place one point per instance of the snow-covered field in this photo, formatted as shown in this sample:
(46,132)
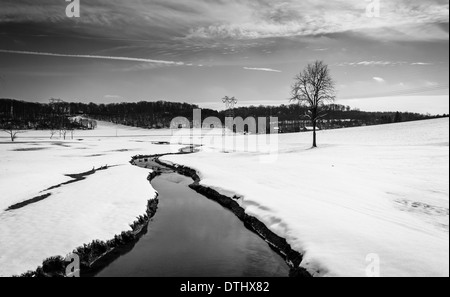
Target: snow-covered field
(366,195)
(381,191)
(99,207)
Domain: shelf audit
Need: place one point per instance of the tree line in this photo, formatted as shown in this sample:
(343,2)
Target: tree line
(293,117)
(64,117)
(300,115)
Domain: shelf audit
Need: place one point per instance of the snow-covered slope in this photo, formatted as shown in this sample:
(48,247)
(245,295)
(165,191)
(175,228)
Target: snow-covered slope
(365,194)
(372,190)
(102,205)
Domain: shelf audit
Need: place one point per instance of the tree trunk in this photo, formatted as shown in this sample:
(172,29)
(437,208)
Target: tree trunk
(314,134)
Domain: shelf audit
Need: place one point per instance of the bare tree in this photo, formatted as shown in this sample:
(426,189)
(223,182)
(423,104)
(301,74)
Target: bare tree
(52,133)
(314,88)
(12,132)
(63,132)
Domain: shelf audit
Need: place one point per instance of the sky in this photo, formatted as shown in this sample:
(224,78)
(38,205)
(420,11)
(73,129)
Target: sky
(199,51)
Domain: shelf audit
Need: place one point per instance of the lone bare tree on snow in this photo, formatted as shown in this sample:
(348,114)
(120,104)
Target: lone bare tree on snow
(314,88)
(10,129)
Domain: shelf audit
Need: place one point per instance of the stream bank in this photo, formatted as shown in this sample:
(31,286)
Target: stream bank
(194,237)
(97,256)
(277,243)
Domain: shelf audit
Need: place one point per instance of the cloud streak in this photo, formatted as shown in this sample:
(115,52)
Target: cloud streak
(382,63)
(421,64)
(379,79)
(262,69)
(128,59)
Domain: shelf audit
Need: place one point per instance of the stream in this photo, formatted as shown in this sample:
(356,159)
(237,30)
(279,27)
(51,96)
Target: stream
(192,236)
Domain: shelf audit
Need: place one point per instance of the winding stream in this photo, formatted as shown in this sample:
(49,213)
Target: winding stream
(191,236)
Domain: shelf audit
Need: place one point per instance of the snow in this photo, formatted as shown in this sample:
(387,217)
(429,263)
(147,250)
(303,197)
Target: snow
(380,190)
(99,207)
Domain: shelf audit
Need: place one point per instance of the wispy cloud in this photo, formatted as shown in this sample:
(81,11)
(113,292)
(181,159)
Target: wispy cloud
(112,97)
(269,36)
(129,59)
(431,84)
(287,18)
(379,79)
(421,64)
(256,19)
(262,69)
(382,63)
(147,66)
(372,63)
